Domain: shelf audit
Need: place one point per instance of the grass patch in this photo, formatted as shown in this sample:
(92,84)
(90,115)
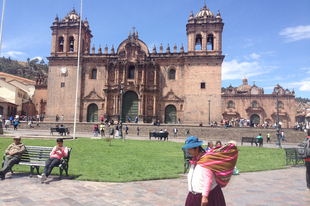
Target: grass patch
(95,160)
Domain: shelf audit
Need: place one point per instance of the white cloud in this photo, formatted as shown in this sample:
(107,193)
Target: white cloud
(40,58)
(254,56)
(296,33)
(14,54)
(303,85)
(236,70)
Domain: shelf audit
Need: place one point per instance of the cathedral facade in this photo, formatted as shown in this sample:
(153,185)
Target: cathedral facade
(164,84)
(251,103)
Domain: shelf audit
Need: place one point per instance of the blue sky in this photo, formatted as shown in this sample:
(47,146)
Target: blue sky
(265,41)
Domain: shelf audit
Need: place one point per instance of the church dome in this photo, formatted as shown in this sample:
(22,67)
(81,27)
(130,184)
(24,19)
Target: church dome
(204,11)
(244,88)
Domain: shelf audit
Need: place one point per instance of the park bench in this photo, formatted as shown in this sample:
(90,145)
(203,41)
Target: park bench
(61,131)
(252,140)
(158,135)
(35,157)
(187,158)
(292,155)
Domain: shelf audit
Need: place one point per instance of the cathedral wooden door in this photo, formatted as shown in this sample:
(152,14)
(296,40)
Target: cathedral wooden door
(92,113)
(255,119)
(130,106)
(170,114)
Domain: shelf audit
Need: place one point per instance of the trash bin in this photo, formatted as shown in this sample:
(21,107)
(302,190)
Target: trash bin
(111,131)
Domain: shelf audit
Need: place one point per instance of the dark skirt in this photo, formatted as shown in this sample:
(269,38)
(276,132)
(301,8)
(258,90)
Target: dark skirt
(215,198)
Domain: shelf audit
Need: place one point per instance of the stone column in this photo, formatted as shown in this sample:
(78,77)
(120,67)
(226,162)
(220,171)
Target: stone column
(204,41)
(154,105)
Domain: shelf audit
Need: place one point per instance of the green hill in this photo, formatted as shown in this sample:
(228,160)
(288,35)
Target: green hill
(27,70)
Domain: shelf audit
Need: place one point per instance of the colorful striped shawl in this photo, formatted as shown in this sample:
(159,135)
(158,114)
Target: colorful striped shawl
(222,161)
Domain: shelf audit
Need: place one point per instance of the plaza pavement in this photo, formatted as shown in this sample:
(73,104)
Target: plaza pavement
(276,187)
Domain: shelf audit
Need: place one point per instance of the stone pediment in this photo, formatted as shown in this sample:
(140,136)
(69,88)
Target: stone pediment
(93,96)
(254,109)
(172,97)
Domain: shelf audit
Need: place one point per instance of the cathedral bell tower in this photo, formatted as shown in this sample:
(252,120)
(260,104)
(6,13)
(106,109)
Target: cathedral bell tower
(204,33)
(65,34)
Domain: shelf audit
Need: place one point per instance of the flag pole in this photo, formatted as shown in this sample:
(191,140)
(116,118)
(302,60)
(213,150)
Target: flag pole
(2,25)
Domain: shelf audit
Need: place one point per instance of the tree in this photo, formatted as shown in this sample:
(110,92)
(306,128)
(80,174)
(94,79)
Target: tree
(42,62)
(28,60)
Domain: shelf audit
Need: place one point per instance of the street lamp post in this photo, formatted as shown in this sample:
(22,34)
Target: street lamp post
(278,145)
(121,115)
(209,112)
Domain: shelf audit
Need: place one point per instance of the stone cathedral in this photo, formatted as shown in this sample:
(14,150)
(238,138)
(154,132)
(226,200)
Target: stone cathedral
(165,84)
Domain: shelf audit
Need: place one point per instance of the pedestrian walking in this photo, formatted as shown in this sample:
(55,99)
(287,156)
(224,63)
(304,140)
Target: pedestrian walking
(126,129)
(187,132)
(138,130)
(15,124)
(96,129)
(62,118)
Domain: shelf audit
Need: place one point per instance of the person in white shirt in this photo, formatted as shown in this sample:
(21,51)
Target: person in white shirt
(202,186)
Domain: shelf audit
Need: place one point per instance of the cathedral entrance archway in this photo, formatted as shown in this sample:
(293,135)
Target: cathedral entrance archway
(92,113)
(130,106)
(170,114)
(255,119)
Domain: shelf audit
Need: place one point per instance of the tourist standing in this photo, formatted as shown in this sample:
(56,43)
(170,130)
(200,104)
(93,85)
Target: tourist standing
(138,131)
(62,118)
(187,132)
(116,130)
(102,128)
(15,124)
(96,130)
(268,138)
(136,120)
(175,131)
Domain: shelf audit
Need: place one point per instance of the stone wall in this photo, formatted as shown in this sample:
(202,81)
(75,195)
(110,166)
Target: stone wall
(207,133)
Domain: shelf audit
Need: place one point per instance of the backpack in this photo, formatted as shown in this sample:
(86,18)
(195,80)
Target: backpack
(304,149)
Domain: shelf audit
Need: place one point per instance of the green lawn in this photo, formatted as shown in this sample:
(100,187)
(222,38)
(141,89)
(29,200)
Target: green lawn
(133,160)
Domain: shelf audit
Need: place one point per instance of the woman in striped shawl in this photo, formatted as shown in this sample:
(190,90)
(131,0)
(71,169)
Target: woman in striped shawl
(209,172)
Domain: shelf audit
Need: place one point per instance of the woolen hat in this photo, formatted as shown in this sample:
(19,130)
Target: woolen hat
(192,142)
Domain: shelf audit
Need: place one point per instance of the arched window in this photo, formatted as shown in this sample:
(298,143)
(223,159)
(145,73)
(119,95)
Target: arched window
(71,44)
(94,74)
(230,104)
(1,110)
(279,104)
(61,44)
(210,42)
(131,72)
(198,42)
(172,74)
(254,104)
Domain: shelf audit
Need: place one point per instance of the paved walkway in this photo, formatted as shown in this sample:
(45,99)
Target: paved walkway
(276,187)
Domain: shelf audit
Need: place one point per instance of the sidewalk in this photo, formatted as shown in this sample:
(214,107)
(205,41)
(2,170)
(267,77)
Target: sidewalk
(277,187)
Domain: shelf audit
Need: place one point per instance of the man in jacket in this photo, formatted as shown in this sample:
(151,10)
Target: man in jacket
(14,153)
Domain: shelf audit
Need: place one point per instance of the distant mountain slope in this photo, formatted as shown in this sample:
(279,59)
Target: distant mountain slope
(27,70)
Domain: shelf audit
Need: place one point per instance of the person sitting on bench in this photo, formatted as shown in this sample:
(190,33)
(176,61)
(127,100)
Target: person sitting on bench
(57,153)
(14,152)
(257,139)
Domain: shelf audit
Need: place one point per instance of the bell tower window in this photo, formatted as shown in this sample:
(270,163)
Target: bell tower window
(131,72)
(94,74)
(61,44)
(198,42)
(210,42)
(172,74)
(71,42)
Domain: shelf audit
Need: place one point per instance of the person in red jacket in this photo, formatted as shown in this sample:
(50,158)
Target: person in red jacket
(307,164)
